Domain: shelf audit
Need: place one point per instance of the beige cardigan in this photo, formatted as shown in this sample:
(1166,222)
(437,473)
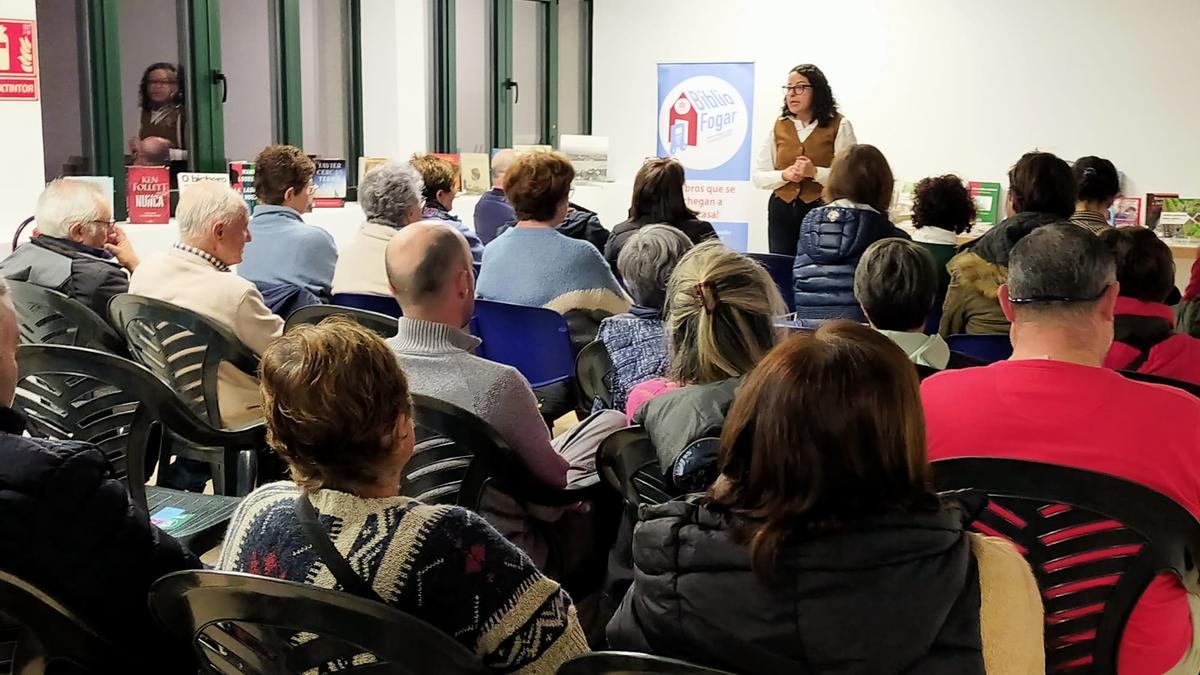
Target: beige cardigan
(360,266)
(191,282)
(1010,613)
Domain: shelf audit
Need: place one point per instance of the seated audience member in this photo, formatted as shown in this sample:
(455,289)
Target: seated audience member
(340,414)
(534,264)
(721,308)
(637,342)
(822,547)
(69,528)
(1188,320)
(1053,402)
(895,284)
(78,251)
(429,265)
(832,237)
(443,180)
(1144,336)
(493,211)
(942,210)
(1041,190)
(195,274)
(658,198)
(580,223)
(153,151)
(390,197)
(1099,185)
(286,251)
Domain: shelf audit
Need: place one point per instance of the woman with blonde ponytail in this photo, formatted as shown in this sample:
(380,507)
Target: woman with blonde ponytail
(720,309)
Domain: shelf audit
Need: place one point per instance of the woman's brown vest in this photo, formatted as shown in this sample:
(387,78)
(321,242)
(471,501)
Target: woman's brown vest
(818,147)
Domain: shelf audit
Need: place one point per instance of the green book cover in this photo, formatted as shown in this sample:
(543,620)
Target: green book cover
(1180,218)
(987,202)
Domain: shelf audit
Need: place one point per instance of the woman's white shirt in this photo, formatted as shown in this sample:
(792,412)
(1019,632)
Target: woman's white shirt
(766,177)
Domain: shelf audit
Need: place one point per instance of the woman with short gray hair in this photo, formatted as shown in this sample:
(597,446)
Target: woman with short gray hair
(636,341)
(390,197)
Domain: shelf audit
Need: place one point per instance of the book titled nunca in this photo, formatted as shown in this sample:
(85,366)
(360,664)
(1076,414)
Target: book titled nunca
(147,190)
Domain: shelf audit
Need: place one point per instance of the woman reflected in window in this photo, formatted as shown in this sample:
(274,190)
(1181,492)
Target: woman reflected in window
(160,96)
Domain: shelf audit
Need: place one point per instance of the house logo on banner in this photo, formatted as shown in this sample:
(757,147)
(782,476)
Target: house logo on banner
(703,122)
(704,117)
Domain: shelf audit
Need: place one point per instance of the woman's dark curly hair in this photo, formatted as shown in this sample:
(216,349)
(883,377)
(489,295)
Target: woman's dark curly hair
(824,105)
(943,202)
(143,95)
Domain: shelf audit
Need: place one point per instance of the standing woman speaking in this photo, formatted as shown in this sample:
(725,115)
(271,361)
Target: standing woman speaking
(794,160)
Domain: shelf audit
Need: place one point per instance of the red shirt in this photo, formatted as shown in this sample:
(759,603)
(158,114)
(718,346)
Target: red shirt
(1088,418)
(1177,357)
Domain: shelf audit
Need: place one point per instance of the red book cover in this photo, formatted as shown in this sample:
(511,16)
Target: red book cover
(147,190)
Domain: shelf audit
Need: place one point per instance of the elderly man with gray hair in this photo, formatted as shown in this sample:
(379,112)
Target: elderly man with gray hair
(493,211)
(390,197)
(196,274)
(78,251)
(1052,402)
(636,341)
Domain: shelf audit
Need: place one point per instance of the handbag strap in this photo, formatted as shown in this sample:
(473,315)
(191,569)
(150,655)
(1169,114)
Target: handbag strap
(328,554)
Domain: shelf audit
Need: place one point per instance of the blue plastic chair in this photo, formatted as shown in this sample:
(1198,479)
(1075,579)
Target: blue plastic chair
(534,340)
(383,304)
(986,348)
(780,269)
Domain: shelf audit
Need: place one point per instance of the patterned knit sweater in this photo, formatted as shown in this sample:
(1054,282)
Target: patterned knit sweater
(442,564)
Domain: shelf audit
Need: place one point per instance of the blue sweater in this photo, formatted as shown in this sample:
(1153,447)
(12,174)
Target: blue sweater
(286,250)
(540,267)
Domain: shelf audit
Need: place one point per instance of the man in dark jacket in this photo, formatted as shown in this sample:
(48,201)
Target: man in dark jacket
(68,526)
(78,249)
(493,211)
(580,223)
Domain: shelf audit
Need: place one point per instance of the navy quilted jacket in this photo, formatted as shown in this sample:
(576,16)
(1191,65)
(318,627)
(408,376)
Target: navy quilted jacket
(832,239)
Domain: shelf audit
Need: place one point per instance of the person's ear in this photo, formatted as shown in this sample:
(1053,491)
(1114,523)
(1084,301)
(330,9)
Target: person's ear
(1006,305)
(1108,302)
(75,231)
(289,194)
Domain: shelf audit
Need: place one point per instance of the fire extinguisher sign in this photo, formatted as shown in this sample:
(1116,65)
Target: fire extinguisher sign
(18,60)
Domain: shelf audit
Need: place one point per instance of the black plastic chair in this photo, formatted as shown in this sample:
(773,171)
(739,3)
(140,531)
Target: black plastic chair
(458,456)
(241,623)
(1190,388)
(780,268)
(593,372)
(1094,542)
(696,468)
(380,304)
(181,347)
(16,240)
(47,316)
(986,348)
(626,462)
(87,395)
(631,663)
(49,637)
(381,324)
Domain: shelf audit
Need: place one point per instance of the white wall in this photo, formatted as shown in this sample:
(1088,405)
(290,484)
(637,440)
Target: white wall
(938,85)
(21,137)
(396,83)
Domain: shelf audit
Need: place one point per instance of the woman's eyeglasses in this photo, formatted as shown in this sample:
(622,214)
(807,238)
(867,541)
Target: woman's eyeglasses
(798,89)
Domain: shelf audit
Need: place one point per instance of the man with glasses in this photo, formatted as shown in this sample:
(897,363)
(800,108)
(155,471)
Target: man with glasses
(1053,402)
(77,248)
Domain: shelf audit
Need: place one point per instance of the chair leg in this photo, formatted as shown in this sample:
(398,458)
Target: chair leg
(247,471)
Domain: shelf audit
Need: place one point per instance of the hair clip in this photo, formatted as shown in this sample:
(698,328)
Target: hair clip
(706,293)
(1090,171)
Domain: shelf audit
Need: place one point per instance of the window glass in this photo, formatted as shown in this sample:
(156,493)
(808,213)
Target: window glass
(529,68)
(473,81)
(246,61)
(324,70)
(65,90)
(572,66)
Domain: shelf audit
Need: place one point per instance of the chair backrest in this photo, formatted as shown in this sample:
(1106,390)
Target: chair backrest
(1193,389)
(986,348)
(780,268)
(51,638)
(16,240)
(72,393)
(593,371)
(534,340)
(696,468)
(380,304)
(627,462)
(1094,542)
(629,663)
(381,324)
(181,347)
(456,455)
(240,623)
(47,316)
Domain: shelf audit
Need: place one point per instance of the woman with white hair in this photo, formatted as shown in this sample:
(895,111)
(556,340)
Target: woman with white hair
(78,250)
(391,197)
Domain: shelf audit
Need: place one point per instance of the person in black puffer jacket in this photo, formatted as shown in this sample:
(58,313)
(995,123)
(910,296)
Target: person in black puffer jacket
(822,547)
(833,237)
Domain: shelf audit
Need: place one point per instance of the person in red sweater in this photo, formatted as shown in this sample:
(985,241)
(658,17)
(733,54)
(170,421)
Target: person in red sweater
(1145,339)
(1053,402)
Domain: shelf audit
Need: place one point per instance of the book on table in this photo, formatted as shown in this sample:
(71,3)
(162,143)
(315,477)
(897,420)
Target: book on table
(330,181)
(241,177)
(147,195)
